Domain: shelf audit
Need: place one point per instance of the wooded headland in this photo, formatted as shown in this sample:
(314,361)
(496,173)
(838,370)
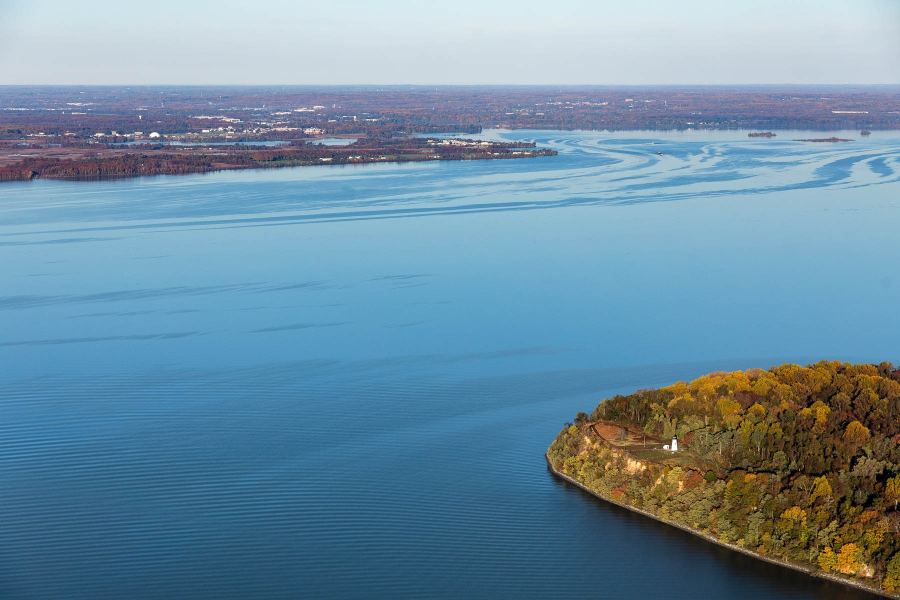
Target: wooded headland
(793,464)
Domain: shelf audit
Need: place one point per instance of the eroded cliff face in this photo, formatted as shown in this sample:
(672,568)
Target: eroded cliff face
(590,458)
(634,466)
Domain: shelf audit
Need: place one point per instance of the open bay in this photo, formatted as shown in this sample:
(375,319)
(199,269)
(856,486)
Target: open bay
(340,381)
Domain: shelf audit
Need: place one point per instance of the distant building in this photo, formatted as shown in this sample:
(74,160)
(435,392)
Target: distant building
(154,135)
(674,445)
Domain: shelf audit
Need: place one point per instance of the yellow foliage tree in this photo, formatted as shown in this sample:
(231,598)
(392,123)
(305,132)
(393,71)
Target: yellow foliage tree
(818,411)
(738,381)
(761,386)
(676,389)
(892,490)
(828,560)
(849,559)
(731,412)
(856,434)
(822,489)
(795,514)
(757,412)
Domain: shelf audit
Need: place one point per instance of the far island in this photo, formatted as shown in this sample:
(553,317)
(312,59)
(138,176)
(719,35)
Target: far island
(831,140)
(795,465)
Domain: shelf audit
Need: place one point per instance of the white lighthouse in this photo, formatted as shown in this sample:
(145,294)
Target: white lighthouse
(674,445)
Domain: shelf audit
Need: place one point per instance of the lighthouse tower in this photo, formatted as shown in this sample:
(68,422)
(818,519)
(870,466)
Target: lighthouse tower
(674,445)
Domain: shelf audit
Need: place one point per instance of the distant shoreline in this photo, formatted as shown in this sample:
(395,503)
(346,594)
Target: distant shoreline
(78,163)
(812,572)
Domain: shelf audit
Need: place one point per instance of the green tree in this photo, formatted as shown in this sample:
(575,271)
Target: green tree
(891,581)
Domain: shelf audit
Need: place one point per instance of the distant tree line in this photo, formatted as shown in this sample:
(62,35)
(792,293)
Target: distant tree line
(143,160)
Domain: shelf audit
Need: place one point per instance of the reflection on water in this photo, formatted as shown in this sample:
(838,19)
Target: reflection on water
(340,381)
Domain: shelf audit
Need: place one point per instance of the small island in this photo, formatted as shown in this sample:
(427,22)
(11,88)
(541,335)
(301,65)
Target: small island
(865,132)
(799,466)
(765,134)
(832,140)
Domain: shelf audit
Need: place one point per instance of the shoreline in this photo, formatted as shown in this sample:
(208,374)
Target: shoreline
(120,164)
(811,571)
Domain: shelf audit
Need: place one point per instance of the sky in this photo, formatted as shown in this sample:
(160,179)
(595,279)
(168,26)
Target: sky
(429,42)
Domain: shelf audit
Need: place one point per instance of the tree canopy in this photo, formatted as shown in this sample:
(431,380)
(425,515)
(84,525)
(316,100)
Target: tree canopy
(798,463)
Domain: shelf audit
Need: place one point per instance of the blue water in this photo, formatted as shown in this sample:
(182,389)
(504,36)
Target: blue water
(334,141)
(340,381)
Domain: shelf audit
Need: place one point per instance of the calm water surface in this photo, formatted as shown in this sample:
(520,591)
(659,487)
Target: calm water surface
(340,381)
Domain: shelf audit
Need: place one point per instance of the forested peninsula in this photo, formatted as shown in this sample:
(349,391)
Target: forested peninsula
(796,465)
(111,161)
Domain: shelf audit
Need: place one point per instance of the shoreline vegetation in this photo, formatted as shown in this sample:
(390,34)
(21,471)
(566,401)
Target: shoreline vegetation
(812,572)
(797,466)
(117,162)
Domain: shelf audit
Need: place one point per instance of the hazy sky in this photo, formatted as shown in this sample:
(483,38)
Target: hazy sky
(449,42)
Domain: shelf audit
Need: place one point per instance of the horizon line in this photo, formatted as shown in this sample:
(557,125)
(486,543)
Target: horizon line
(450,85)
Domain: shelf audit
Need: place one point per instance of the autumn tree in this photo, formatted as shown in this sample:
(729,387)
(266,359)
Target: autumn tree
(892,491)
